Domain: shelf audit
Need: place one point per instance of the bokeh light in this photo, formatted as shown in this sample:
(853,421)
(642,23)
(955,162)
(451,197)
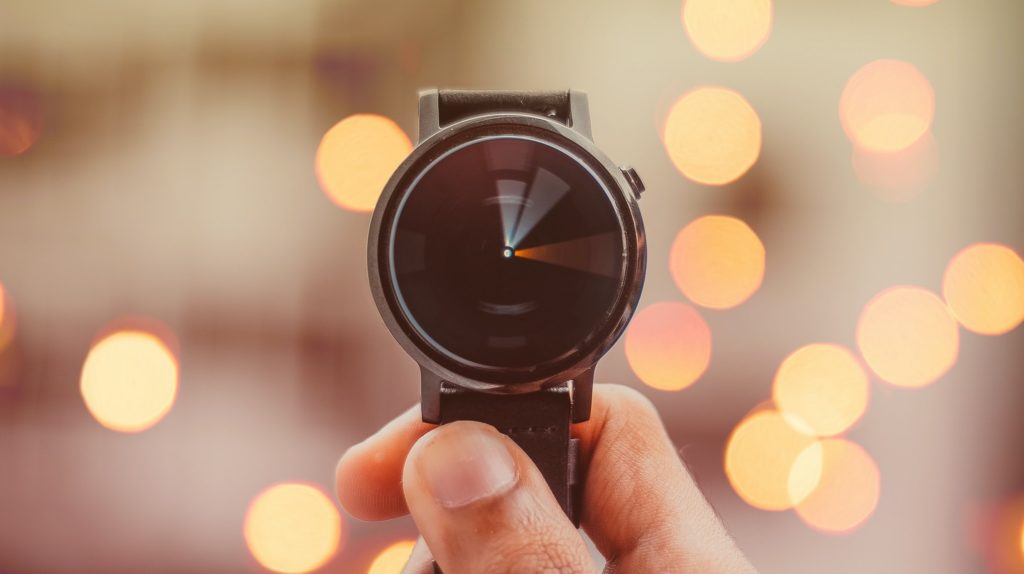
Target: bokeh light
(984,287)
(3,309)
(129,381)
(727,30)
(717,261)
(822,385)
(847,490)
(908,336)
(760,456)
(712,135)
(1022,538)
(6,318)
(995,530)
(356,158)
(393,558)
(668,345)
(21,121)
(292,527)
(898,176)
(886,106)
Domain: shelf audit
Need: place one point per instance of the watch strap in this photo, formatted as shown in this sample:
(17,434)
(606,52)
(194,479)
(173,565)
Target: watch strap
(539,422)
(455,105)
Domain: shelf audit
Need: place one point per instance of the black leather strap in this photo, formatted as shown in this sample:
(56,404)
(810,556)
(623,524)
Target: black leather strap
(454,105)
(538,422)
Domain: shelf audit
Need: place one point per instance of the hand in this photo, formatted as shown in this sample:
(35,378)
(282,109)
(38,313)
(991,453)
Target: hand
(483,507)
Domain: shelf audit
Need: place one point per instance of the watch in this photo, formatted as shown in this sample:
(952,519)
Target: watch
(506,255)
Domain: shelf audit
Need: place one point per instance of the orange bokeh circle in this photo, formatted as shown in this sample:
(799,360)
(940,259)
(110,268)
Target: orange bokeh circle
(668,345)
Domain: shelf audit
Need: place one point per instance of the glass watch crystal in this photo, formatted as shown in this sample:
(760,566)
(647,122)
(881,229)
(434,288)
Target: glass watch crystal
(507,252)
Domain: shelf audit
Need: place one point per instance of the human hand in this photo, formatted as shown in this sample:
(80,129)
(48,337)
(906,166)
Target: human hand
(483,507)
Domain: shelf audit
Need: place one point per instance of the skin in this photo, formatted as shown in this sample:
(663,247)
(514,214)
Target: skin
(642,508)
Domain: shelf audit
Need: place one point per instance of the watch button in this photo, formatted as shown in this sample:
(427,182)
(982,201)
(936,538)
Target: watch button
(635,183)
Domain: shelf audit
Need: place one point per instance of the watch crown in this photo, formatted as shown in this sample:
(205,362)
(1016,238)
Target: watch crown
(635,183)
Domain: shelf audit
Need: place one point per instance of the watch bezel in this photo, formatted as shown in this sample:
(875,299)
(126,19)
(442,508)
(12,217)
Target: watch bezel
(462,133)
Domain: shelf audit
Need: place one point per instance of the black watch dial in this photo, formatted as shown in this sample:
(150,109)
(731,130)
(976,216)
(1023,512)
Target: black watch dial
(507,253)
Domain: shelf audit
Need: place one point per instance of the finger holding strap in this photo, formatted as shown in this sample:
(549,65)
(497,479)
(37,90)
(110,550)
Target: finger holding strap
(483,507)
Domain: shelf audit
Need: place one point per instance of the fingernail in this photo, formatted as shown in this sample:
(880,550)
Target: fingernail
(465,464)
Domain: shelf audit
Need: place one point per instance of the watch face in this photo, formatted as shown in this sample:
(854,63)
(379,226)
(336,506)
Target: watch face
(507,253)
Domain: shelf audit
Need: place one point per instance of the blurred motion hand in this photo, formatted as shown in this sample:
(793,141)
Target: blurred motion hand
(493,512)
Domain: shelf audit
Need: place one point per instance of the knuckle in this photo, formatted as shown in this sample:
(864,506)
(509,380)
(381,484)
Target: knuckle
(542,556)
(540,546)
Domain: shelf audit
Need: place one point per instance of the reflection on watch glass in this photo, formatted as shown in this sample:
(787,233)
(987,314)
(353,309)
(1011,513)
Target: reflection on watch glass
(507,252)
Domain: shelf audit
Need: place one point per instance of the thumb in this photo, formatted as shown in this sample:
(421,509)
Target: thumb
(484,508)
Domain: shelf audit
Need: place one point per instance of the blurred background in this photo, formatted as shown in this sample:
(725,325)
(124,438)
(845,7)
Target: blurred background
(830,325)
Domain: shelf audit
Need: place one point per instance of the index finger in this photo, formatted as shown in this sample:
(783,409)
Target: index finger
(368,478)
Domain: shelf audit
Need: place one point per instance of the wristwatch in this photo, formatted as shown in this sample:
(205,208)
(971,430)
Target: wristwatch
(506,255)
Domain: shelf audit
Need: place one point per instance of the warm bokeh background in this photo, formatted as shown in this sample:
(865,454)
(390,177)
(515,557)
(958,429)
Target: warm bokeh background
(188,342)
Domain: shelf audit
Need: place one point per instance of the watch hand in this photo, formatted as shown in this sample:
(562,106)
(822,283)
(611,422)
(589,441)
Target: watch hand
(510,201)
(545,191)
(576,254)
